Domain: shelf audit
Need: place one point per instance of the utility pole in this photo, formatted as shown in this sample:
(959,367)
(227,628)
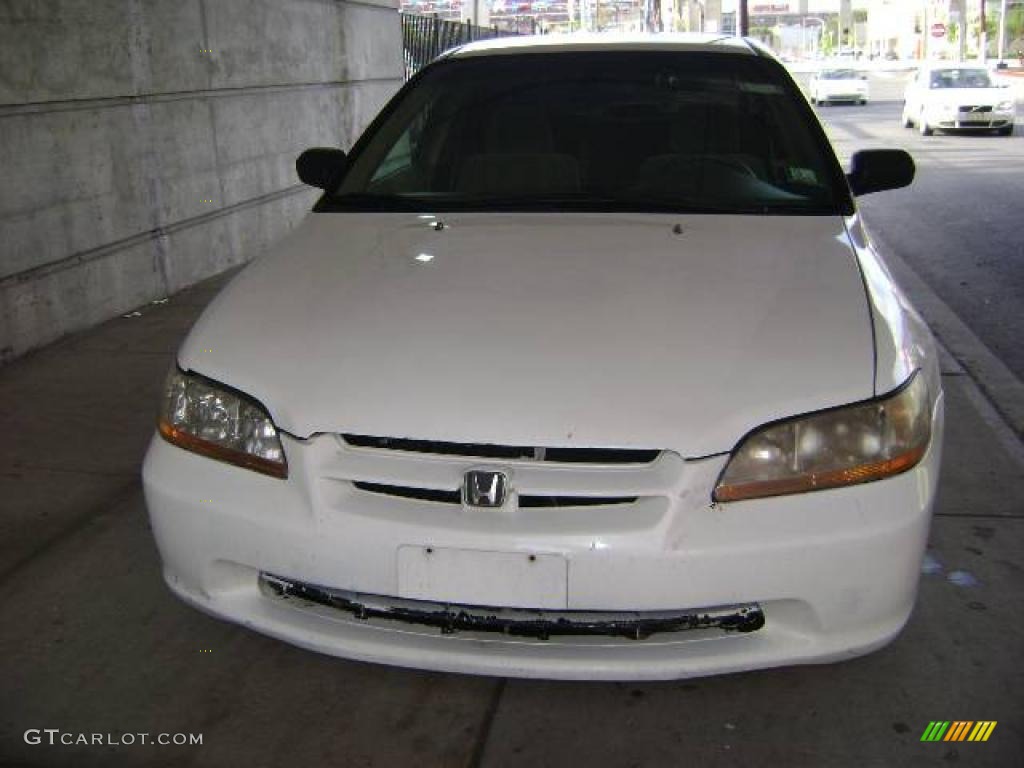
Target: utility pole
(845,24)
(1002,30)
(742,19)
(925,31)
(958,14)
(983,42)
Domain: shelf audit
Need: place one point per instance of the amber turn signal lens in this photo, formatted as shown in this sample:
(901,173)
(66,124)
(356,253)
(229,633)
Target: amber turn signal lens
(212,450)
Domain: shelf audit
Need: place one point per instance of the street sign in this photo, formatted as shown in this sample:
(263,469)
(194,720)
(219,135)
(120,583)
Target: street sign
(938,30)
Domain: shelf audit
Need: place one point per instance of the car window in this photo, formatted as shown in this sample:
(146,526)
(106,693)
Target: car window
(399,159)
(596,131)
(840,74)
(960,78)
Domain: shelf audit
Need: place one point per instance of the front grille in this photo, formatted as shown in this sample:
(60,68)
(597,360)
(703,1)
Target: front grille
(976,109)
(455,497)
(421,494)
(449,618)
(508,452)
(370,470)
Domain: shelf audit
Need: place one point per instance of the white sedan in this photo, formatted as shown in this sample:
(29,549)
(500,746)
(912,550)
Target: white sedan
(952,97)
(829,86)
(583,366)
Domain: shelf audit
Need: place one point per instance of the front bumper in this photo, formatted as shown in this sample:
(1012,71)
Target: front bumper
(844,96)
(962,121)
(835,572)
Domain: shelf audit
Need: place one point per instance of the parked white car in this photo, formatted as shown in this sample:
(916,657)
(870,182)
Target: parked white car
(583,366)
(951,97)
(829,86)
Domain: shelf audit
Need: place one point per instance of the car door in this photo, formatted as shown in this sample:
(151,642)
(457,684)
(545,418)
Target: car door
(913,93)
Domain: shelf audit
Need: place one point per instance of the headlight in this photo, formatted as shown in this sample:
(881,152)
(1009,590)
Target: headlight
(205,417)
(843,446)
(1004,106)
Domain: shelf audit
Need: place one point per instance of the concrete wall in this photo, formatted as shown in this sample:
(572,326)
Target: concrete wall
(147,144)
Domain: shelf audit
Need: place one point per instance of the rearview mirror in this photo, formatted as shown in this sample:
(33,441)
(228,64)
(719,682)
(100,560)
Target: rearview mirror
(321,167)
(875,170)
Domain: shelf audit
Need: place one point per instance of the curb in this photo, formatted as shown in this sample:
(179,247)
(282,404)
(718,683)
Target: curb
(991,375)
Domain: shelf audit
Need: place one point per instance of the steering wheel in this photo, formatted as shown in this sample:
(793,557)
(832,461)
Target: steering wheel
(734,163)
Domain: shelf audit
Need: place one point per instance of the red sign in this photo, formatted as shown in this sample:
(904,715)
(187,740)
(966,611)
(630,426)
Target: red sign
(938,30)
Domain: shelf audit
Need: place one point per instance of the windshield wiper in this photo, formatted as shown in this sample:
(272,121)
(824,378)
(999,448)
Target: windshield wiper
(569,201)
(581,201)
(624,203)
(575,201)
(375,201)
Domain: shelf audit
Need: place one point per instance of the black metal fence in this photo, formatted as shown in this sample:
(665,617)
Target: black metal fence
(425,37)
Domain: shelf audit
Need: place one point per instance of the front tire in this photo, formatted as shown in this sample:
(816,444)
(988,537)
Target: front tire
(923,127)
(1006,130)
(905,118)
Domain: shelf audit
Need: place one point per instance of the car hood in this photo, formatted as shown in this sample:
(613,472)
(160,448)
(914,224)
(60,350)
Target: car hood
(575,330)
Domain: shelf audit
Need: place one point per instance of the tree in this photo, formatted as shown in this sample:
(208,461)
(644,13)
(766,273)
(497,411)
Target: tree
(1014,29)
(828,41)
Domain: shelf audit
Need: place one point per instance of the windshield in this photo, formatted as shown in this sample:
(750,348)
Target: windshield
(647,131)
(961,78)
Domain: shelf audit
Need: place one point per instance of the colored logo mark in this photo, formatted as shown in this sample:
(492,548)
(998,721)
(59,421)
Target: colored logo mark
(958,730)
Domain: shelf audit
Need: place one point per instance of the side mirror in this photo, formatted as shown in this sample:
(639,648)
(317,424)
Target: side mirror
(875,170)
(321,167)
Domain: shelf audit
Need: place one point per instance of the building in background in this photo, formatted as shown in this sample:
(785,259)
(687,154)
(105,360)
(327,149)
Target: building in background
(804,28)
(937,29)
(894,29)
(903,29)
